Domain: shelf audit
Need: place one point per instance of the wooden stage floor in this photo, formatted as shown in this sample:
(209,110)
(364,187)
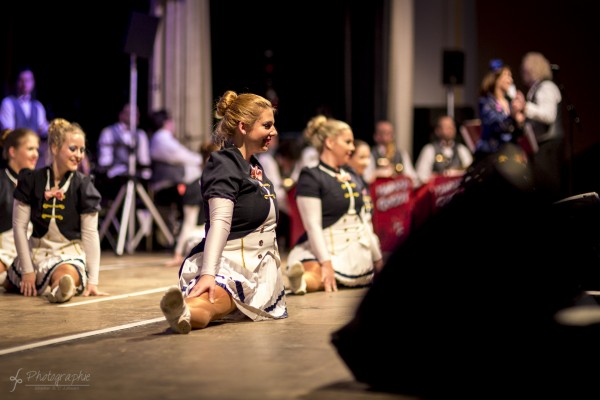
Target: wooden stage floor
(121,346)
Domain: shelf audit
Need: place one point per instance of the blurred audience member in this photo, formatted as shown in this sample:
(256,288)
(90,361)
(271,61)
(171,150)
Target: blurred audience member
(193,224)
(388,160)
(443,155)
(115,146)
(23,110)
(172,164)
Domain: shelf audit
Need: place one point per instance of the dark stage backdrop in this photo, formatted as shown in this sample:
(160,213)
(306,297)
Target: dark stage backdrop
(77,52)
(318,56)
(83,74)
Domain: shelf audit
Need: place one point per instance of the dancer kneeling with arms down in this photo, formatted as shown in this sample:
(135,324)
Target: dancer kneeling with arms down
(339,245)
(62,256)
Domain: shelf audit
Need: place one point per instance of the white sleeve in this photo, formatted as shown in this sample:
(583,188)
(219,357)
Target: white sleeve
(7,114)
(369,174)
(190,220)
(545,108)
(465,155)
(221,213)
(425,163)
(409,169)
(143,149)
(310,210)
(42,121)
(20,221)
(166,148)
(105,148)
(376,253)
(90,241)
(310,157)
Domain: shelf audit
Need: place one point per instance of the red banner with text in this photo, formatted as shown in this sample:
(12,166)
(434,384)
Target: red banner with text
(392,210)
(432,196)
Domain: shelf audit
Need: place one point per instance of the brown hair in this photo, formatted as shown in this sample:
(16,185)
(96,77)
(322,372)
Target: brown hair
(14,138)
(489,80)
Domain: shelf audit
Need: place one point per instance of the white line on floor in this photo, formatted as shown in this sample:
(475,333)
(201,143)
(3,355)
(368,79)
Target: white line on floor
(143,263)
(78,336)
(117,297)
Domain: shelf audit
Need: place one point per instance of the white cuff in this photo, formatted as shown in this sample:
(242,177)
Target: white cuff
(221,213)
(311,214)
(20,221)
(90,242)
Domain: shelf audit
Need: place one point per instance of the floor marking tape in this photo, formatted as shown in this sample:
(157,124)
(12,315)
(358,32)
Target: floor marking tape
(79,336)
(117,297)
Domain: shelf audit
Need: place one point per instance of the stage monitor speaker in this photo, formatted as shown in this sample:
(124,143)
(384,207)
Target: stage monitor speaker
(453,67)
(141,34)
(474,288)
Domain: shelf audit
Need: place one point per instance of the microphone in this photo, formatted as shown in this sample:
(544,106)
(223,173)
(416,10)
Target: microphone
(554,67)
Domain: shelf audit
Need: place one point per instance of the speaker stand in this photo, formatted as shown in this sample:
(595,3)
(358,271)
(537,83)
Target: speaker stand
(450,101)
(126,195)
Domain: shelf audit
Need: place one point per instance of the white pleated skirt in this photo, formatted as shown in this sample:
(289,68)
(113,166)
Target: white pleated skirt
(349,245)
(249,270)
(47,254)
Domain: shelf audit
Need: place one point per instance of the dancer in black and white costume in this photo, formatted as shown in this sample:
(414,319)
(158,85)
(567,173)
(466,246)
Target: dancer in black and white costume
(63,252)
(339,246)
(20,148)
(236,267)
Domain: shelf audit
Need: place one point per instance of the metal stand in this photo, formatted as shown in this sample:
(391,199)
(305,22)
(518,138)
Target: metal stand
(450,101)
(126,195)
